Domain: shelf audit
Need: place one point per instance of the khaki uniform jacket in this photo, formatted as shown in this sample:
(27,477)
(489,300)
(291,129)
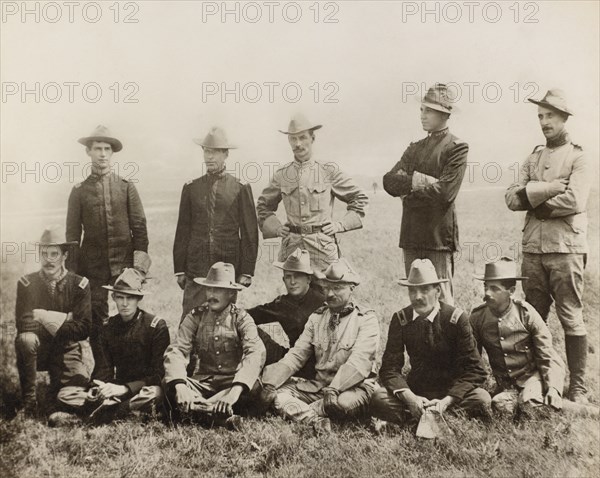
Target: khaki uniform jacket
(344,357)
(108,211)
(519,346)
(308,191)
(559,223)
(226,344)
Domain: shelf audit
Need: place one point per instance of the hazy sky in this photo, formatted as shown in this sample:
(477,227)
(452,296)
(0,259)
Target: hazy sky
(370,62)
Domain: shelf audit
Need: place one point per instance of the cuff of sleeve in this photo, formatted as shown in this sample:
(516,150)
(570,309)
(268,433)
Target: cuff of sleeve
(270,227)
(525,204)
(351,221)
(536,193)
(141,261)
(177,274)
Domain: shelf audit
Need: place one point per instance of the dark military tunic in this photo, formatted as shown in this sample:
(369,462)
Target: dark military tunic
(428,216)
(443,356)
(108,211)
(132,352)
(291,313)
(72,296)
(217,222)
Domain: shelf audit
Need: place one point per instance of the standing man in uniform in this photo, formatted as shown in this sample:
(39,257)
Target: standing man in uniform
(217,222)
(445,366)
(130,367)
(53,319)
(107,211)
(553,188)
(308,189)
(343,337)
(229,350)
(428,179)
(290,310)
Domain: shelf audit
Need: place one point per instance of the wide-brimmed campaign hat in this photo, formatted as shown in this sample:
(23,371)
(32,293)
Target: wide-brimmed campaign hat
(554,99)
(102,133)
(437,99)
(215,139)
(504,268)
(54,235)
(297,261)
(339,271)
(299,123)
(130,282)
(220,275)
(422,272)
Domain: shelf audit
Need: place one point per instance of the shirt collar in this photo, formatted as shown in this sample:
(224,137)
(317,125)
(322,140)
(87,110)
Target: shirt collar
(431,315)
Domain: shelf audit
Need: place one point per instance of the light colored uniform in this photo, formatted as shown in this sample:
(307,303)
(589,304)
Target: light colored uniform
(308,191)
(345,359)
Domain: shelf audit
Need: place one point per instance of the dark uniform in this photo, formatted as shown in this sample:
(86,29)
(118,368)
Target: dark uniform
(291,313)
(66,355)
(132,352)
(217,222)
(429,226)
(108,211)
(443,357)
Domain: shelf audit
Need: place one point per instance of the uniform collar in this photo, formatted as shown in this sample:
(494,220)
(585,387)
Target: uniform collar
(560,140)
(305,165)
(438,134)
(347,310)
(432,315)
(216,175)
(96,174)
(136,316)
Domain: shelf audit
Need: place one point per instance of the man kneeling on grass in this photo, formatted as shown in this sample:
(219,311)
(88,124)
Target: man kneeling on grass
(446,369)
(343,337)
(129,368)
(229,350)
(529,372)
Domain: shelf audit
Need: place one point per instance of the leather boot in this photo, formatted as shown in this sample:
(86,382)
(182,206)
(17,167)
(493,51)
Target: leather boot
(27,367)
(576,348)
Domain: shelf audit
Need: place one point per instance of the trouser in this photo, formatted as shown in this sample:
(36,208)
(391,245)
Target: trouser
(507,400)
(559,278)
(99,297)
(443,261)
(275,352)
(388,407)
(68,365)
(193,296)
(209,386)
(307,406)
(323,249)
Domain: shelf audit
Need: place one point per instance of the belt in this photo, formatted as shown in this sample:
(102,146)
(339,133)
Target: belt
(304,229)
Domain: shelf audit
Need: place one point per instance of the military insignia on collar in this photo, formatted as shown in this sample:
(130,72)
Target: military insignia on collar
(25,281)
(84,282)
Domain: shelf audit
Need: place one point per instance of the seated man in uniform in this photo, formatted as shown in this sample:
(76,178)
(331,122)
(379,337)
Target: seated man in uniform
(53,318)
(290,310)
(229,350)
(343,337)
(446,369)
(527,368)
(129,368)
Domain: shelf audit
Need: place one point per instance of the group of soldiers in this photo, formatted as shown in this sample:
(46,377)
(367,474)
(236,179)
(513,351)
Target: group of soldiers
(220,365)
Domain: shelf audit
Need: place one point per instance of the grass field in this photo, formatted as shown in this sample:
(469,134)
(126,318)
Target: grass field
(557,447)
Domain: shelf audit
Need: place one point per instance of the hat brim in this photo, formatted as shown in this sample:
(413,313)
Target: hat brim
(312,128)
(137,293)
(114,142)
(545,104)
(68,243)
(321,276)
(200,142)
(281,265)
(218,285)
(406,283)
(435,106)
(483,278)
